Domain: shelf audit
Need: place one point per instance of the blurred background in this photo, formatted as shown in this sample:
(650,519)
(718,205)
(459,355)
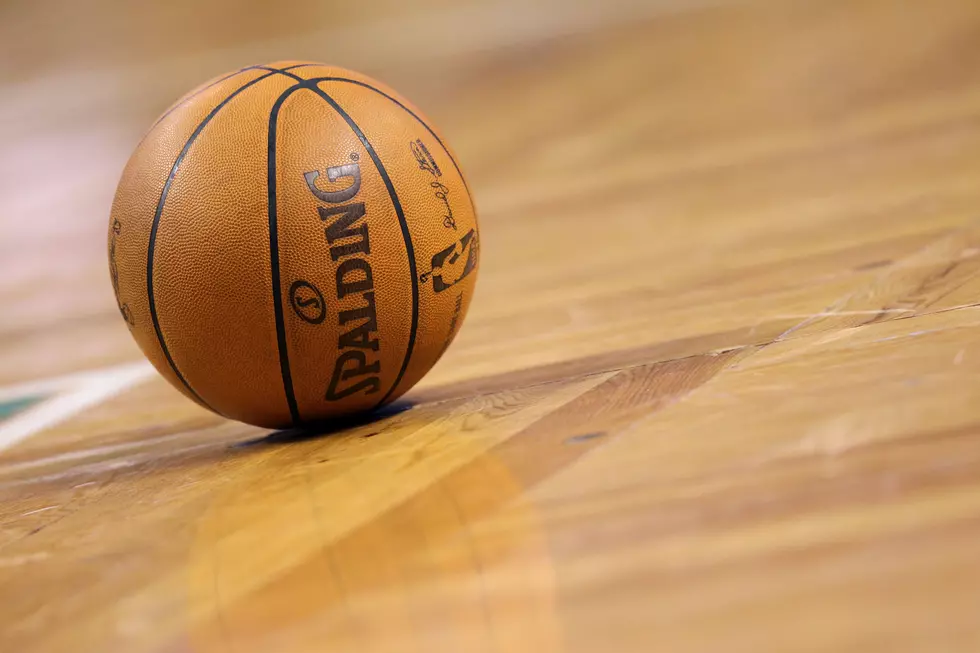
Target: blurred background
(540,99)
(80,82)
(663,187)
(678,116)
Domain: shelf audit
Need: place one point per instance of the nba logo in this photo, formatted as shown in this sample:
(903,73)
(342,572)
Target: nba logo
(453,264)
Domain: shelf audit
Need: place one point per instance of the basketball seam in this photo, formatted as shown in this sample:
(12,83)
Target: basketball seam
(406,234)
(285,70)
(151,247)
(187,99)
(273,216)
(445,149)
(411,113)
(377,90)
(311,85)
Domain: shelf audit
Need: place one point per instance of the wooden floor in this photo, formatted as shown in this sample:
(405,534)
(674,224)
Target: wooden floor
(719,388)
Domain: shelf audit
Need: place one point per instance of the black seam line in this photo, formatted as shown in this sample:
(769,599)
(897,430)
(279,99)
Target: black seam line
(188,99)
(156,225)
(224,79)
(287,68)
(287,378)
(411,113)
(406,234)
(274,223)
(274,243)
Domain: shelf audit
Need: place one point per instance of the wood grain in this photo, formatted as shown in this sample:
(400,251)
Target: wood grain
(717,389)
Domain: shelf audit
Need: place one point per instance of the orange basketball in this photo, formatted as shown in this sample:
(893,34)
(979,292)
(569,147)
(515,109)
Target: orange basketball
(291,243)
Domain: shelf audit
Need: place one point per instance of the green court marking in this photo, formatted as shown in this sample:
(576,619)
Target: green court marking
(14,406)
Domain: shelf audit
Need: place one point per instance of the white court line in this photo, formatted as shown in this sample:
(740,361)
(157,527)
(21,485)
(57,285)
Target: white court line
(91,389)
(50,385)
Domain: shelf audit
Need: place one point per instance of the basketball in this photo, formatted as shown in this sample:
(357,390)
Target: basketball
(291,243)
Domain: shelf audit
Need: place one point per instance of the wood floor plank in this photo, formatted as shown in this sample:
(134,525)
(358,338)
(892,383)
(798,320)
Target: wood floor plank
(717,389)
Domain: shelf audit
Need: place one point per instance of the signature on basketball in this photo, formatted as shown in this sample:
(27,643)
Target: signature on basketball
(114,273)
(428,163)
(457,309)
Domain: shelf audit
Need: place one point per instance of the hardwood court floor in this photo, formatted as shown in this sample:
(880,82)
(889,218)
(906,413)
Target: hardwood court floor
(718,389)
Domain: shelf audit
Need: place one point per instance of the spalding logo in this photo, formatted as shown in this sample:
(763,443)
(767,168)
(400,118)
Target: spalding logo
(357,368)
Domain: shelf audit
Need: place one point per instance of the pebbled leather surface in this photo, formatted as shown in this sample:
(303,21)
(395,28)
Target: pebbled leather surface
(361,320)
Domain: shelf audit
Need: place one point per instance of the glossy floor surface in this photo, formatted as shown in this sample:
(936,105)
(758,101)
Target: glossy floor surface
(718,390)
